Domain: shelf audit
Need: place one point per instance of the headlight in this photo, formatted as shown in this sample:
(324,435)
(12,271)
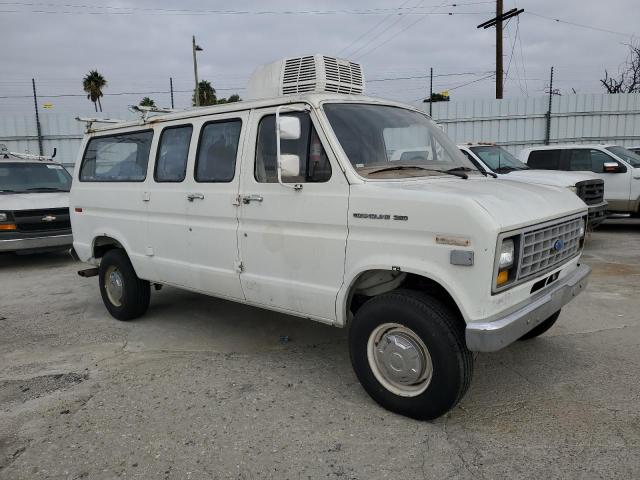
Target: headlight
(3,217)
(507,252)
(582,228)
(573,188)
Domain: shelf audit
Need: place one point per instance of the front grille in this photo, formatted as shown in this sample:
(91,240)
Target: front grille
(549,246)
(42,220)
(591,192)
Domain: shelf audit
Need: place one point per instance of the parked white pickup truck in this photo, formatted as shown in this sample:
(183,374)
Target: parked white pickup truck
(291,202)
(488,157)
(618,167)
(34,204)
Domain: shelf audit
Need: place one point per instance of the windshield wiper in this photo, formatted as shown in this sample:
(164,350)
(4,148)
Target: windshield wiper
(6,190)
(454,171)
(46,189)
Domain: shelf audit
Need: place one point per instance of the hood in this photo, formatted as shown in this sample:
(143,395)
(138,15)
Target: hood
(556,178)
(33,201)
(510,204)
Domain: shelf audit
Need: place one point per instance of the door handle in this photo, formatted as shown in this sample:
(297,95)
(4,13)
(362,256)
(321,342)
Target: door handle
(193,196)
(247,199)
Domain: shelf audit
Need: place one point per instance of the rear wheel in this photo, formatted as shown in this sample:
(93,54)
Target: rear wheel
(124,294)
(542,327)
(408,351)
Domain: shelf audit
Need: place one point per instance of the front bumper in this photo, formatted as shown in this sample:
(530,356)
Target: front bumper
(495,334)
(35,243)
(597,213)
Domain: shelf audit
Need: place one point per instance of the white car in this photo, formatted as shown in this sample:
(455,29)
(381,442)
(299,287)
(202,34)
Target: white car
(34,204)
(492,158)
(618,167)
(291,203)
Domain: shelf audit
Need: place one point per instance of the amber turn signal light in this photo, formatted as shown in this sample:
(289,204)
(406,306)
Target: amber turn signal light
(503,276)
(8,226)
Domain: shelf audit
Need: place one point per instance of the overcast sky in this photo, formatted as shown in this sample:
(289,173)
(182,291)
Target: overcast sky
(138,45)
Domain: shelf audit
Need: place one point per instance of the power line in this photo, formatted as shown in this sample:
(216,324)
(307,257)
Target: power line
(581,25)
(114,94)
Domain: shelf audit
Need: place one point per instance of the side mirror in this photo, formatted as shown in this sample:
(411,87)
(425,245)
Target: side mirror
(611,167)
(289,165)
(289,128)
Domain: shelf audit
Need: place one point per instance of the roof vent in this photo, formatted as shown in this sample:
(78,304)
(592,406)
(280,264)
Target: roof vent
(310,74)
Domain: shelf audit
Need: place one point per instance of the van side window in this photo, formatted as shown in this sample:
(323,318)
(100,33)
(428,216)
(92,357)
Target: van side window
(545,159)
(217,151)
(314,163)
(117,158)
(173,150)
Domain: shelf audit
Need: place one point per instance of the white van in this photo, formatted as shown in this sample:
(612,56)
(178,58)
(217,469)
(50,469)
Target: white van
(293,204)
(617,166)
(34,204)
(492,158)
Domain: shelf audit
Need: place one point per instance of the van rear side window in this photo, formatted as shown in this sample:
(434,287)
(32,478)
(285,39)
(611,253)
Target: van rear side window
(217,151)
(117,158)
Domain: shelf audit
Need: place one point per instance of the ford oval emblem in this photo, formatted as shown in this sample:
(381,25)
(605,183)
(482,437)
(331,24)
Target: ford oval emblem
(558,245)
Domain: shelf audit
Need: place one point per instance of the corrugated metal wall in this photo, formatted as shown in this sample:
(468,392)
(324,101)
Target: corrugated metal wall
(514,123)
(521,122)
(60,131)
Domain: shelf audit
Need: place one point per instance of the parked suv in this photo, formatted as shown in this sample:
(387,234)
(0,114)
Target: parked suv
(34,204)
(293,203)
(494,159)
(617,166)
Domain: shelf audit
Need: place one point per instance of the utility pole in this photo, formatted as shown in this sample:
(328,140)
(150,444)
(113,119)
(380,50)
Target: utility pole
(547,137)
(431,92)
(196,48)
(35,104)
(499,67)
(497,22)
(171,90)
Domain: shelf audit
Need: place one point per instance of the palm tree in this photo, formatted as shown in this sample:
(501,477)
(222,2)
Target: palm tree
(207,94)
(93,83)
(147,102)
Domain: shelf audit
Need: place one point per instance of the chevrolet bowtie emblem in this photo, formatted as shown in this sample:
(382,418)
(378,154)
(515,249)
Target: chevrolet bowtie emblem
(49,218)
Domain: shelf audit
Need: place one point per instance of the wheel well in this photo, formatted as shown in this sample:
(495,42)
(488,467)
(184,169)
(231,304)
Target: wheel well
(376,282)
(103,244)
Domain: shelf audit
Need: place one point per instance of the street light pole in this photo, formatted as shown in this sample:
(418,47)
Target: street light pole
(195,49)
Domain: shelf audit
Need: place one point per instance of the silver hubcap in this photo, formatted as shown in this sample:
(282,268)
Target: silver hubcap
(114,284)
(399,359)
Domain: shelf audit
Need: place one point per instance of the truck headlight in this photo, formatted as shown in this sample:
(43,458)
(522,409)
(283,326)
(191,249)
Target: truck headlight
(507,252)
(3,217)
(573,188)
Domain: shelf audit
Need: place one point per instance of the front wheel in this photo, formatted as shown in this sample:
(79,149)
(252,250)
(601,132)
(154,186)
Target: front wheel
(408,350)
(124,294)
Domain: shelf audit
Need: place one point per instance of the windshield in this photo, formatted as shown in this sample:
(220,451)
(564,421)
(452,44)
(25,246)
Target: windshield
(33,178)
(498,159)
(391,142)
(627,155)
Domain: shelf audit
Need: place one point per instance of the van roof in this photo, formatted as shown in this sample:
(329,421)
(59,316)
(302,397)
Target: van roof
(315,99)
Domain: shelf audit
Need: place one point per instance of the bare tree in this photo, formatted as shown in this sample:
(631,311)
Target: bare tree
(628,78)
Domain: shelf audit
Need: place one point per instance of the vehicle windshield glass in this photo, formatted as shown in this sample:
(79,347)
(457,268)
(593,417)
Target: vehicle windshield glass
(498,159)
(391,142)
(627,155)
(33,178)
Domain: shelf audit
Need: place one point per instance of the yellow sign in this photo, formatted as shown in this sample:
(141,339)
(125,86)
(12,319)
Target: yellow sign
(445,93)
(47,105)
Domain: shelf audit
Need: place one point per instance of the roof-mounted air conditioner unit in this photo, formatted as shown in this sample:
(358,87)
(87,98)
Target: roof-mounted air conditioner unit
(311,74)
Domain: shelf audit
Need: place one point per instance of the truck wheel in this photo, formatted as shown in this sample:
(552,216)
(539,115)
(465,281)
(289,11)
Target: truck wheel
(123,293)
(542,327)
(408,350)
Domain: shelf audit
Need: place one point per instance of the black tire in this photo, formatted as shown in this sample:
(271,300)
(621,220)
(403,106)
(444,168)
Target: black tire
(136,293)
(541,328)
(441,332)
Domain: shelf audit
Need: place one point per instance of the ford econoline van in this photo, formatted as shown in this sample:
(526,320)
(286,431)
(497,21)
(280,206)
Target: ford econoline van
(295,201)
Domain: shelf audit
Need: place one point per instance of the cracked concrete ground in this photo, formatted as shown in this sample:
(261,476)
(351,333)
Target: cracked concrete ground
(203,388)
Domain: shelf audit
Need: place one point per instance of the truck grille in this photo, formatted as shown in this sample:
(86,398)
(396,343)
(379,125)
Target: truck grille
(591,192)
(549,246)
(42,220)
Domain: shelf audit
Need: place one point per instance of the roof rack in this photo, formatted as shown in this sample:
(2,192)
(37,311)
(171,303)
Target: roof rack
(4,153)
(144,111)
(91,120)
